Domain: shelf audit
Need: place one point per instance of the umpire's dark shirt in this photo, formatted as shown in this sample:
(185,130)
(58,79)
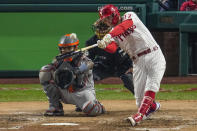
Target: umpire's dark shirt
(109,60)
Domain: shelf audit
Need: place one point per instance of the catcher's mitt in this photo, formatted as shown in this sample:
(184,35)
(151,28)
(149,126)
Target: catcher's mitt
(64,76)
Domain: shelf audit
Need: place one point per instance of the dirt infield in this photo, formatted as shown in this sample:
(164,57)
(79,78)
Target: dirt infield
(28,116)
(111,80)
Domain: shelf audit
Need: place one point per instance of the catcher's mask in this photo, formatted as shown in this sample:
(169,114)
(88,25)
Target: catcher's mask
(100,28)
(68,43)
(64,78)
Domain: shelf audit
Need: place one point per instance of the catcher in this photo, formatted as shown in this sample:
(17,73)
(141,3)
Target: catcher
(70,80)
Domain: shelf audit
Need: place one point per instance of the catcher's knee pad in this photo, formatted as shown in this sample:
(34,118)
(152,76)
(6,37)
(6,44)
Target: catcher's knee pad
(45,74)
(52,94)
(93,108)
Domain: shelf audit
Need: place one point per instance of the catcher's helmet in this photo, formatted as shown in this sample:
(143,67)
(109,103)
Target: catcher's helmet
(68,40)
(110,10)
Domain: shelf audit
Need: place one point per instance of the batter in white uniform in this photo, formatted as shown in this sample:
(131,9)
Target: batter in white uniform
(130,34)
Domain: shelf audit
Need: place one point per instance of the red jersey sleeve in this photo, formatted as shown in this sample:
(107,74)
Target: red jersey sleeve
(122,27)
(119,29)
(112,47)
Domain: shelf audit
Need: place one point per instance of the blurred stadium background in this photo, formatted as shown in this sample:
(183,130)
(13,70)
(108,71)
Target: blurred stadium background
(30,31)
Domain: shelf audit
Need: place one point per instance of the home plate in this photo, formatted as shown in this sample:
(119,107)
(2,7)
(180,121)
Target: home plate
(60,124)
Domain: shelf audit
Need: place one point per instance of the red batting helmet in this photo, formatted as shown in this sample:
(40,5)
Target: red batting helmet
(110,10)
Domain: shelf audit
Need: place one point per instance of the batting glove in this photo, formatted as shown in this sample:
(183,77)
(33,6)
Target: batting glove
(101,44)
(107,39)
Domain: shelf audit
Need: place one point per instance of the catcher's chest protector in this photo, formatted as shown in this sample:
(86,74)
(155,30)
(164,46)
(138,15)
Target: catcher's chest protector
(66,78)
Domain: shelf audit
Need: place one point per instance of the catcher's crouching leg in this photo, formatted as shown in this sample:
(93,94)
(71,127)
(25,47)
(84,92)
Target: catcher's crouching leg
(93,108)
(51,91)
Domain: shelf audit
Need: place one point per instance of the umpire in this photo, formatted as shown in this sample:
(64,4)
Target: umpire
(109,65)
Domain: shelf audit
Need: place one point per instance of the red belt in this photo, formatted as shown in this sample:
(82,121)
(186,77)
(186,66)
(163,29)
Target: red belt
(145,52)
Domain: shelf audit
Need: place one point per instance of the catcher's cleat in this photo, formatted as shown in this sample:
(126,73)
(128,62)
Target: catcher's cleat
(103,109)
(54,112)
(151,111)
(135,119)
(77,109)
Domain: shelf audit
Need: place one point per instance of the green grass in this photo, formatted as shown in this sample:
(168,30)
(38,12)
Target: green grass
(33,92)
(112,92)
(21,92)
(178,92)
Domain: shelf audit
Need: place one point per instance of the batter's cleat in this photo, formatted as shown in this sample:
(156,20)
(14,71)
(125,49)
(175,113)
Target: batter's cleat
(135,119)
(54,112)
(77,109)
(151,111)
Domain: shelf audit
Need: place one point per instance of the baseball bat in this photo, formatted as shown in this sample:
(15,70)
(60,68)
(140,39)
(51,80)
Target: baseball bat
(88,47)
(75,52)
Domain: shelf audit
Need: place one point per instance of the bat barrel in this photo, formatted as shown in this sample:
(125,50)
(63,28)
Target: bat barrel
(89,47)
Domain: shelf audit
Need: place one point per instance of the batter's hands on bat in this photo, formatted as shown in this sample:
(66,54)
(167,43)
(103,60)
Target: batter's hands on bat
(107,39)
(101,44)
